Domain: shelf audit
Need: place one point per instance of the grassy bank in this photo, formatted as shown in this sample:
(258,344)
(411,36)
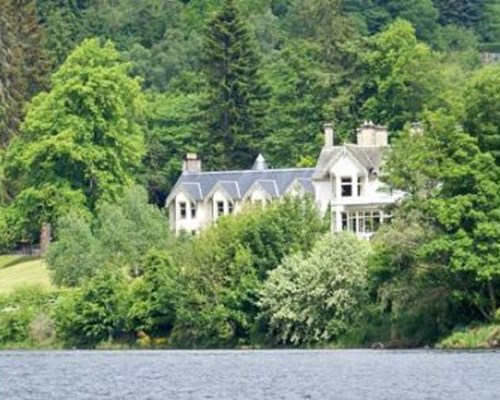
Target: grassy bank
(17,271)
(479,337)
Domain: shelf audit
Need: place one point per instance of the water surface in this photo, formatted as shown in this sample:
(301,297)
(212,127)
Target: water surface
(249,375)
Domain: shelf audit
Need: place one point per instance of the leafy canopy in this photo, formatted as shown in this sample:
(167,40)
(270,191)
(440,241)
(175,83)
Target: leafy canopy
(316,297)
(81,142)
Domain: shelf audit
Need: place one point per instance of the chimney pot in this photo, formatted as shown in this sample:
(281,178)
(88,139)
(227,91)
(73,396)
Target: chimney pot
(370,134)
(191,163)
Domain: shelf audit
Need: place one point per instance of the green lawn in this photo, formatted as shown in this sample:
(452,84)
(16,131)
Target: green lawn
(18,271)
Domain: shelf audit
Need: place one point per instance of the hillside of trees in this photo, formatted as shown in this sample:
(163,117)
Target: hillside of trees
(101,99)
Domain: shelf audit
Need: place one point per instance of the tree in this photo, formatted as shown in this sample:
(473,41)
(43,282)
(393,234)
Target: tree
(482,115)
(402,77)
(236,94)
(421,13)
(119,237)
(459,12)
(175,120)
(324,22)
(81,143)
(315,298)
(300,87)
(96,312)
(77,255)
(154,296)
(415,297)
(10,92)
(223,268)
(64,23)
(456,187)
(130,228)
(24,66)
(489,26)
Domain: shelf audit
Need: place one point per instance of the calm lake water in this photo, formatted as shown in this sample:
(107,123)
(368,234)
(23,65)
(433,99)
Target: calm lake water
(248,375)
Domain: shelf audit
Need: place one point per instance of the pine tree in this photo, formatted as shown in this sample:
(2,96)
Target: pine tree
(459,12)
(236,93)
(23,64)
(10,93)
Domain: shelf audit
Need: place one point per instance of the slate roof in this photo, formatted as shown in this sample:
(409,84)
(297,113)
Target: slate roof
(370,157)
(275,182)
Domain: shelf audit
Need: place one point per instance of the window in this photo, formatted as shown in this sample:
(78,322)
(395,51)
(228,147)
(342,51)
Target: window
(346,187)
(344,221)
(353,222)
(360,186)
(220,208)
(193,210)
(183,210)
(376,220)
(230,207)
(362,221)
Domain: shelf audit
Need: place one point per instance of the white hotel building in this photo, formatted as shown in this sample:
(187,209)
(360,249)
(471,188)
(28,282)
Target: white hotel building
(344,182)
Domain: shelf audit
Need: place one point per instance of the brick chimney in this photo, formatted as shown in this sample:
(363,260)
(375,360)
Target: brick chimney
(329,135)
(191,163)
(370,134)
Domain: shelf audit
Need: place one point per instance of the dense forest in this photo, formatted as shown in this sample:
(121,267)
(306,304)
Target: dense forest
(101,99)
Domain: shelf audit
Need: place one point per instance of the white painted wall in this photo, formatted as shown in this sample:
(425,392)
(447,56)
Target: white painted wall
(188,223)
(327,193)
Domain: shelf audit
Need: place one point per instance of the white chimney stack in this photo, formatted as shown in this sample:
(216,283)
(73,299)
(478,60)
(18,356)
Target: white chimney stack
(370,134)
(328,128)
(191,163)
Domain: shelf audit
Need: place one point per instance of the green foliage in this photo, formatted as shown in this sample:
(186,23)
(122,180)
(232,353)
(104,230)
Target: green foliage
(175,120)
(81,142)
(236,93)
(18,310)
(77,255)
(23,65)
(324,22)
(121,235)
(489,25)
(154,296)
(94,313)
(482,114)
(475,337)
(456,187)
(402,76)
(300,88)
(128,229)
(415,296)
(315,298)
(64,24)
(459,12)
(224,267)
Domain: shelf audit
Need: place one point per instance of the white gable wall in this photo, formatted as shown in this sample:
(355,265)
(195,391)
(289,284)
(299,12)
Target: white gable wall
(258,195)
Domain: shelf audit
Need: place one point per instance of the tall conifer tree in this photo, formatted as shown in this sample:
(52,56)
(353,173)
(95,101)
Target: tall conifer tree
(23,63)
(10,93)
(236,94)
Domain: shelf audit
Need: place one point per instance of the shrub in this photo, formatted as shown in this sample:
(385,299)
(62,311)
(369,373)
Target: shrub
(315,298)
(93,313)
(224,267)
(153,297)
(18,310)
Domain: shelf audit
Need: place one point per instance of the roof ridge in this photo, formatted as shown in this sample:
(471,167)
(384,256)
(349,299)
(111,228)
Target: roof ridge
(185,173)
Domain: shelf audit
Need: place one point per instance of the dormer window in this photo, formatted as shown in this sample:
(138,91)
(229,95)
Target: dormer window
(193,210)
(346,187)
